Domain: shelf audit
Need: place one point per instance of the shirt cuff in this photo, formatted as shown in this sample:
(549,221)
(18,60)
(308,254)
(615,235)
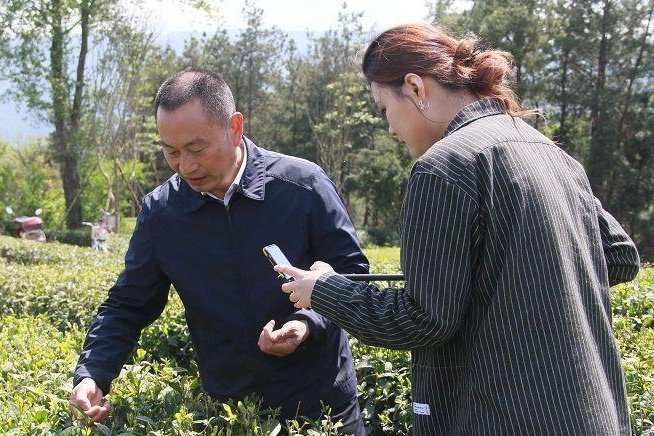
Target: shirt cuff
(315,323)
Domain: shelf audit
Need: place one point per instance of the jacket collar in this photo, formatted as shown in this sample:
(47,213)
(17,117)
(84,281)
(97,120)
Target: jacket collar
(252,182)
(479,109)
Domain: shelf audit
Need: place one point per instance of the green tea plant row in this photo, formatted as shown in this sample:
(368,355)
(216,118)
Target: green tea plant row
(50,293)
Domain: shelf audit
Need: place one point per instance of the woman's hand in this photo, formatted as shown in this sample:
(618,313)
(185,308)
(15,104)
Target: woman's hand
(301,288)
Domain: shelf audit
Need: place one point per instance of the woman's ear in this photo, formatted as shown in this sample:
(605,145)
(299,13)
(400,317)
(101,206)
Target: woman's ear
(415,86)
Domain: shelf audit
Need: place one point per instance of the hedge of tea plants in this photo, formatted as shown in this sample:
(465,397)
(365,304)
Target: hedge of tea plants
(50,292)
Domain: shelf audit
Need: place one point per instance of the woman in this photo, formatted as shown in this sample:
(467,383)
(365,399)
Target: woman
(507,254)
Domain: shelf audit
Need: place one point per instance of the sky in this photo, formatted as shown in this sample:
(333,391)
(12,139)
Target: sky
(173,16)
(288,15)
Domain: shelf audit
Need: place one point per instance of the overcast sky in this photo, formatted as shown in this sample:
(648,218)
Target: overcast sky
(289,15)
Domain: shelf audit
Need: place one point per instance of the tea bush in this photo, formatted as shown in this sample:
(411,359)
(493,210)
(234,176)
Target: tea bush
(37,360)
(384,388)
(148,397)
(633,322)
(64,283)
(80,237)
(50,293)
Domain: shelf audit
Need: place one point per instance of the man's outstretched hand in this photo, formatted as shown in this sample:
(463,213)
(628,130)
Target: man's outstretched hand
(285,340)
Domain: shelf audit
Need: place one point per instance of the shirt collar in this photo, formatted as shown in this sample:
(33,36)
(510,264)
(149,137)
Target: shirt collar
(479,109)
(254,177)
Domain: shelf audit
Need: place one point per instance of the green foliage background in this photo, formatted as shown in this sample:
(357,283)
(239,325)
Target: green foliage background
(584,65)
(50,293)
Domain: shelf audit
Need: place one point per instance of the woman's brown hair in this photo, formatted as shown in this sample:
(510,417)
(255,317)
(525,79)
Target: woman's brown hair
(427,50)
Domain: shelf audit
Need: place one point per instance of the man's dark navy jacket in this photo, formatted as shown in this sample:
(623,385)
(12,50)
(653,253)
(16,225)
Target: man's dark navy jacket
(212,254)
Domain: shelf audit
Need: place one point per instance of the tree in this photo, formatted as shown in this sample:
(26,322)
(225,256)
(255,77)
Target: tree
(379,175)
(514,26)
(346,121)
(42,38)
(251,64)
(28,181)
(119,105)
(629,179)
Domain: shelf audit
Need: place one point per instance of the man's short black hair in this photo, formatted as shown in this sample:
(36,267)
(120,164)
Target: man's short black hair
(194,83)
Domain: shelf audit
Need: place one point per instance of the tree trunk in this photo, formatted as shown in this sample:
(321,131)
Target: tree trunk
(561,136)
(65,154)
(600,142)
(518,75)
(70,179)
(116,202)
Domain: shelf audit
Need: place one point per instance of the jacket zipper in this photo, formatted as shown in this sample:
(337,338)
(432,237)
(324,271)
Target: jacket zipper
(241,280)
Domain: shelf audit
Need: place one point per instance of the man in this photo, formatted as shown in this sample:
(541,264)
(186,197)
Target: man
(203,231)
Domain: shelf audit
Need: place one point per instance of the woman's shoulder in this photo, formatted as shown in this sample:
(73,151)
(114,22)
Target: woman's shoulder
(490,130)
(459,156)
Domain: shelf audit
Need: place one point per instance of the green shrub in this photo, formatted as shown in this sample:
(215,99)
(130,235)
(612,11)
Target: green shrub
(384,378)
(633,321)
(147,398)
(384,236)
(30,252)
(80,237)
(168,337)
(65,285)
(638,364)
(50,292)
(35,374)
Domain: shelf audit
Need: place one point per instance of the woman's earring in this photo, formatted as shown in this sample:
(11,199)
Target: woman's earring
(422,106)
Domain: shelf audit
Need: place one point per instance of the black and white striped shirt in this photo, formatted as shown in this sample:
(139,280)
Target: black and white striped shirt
(508,258)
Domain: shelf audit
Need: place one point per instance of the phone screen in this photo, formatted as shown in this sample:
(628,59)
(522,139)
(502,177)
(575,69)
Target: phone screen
(276,257)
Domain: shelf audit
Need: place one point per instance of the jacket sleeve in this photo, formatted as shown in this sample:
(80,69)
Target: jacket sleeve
(439,222)
(333,240)
(135,301)
(621,256)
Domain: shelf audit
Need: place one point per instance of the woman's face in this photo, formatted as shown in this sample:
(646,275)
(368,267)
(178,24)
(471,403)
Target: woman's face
(405,121)
(418,129)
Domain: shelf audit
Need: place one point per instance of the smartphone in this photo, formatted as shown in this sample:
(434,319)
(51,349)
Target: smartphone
(276,257)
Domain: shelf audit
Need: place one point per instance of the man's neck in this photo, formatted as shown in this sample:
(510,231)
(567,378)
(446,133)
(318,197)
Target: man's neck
(240,156)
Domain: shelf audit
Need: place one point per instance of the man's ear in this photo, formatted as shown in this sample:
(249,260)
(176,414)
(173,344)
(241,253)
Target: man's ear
(415,86)
(236,127)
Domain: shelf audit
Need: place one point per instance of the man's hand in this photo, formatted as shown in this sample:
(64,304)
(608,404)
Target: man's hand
(284,341)
(89,397)
(301,288)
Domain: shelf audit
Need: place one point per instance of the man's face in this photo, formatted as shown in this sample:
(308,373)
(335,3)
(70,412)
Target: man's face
(204,153)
